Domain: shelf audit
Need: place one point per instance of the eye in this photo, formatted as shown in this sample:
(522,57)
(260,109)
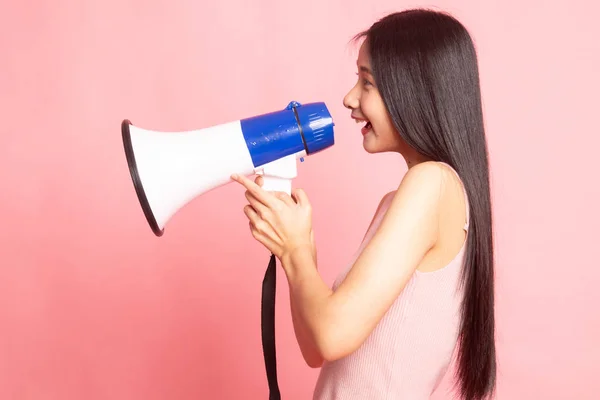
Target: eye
(364,81)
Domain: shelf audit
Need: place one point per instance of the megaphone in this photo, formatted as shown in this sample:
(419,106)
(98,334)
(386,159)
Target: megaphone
(169,169)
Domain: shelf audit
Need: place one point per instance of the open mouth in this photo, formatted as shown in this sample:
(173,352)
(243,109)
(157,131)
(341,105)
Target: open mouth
(367,128)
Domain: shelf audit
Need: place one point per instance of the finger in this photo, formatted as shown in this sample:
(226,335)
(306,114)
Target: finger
(300,197)
(259,193)
(261,209)
(258,222)
(259,227)
(259,180)
(286,198)
(251,214)
(264,240)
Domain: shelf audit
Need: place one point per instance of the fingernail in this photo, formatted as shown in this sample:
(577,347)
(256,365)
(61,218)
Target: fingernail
(234,176)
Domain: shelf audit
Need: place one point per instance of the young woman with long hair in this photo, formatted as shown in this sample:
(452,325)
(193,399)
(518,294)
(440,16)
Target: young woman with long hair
(420,289)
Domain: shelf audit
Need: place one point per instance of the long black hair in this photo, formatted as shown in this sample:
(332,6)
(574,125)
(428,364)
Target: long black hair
(425,66)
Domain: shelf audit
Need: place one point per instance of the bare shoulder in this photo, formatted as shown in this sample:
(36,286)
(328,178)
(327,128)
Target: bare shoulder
(440,178)
(414,207)
(422,183)
(418,201)
(427,179)
(427,173)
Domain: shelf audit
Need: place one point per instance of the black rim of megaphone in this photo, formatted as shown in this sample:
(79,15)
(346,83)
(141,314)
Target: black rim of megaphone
(137,183)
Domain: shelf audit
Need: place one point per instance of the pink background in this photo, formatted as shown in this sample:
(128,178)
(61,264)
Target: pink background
(93,306)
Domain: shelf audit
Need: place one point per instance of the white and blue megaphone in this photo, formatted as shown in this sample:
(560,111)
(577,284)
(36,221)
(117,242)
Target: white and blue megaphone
(169,169)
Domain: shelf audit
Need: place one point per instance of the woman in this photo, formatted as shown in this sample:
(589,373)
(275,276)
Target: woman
(421,286)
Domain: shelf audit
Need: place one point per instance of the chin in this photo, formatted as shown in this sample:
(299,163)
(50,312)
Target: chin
(370,144)
(373,143)
(369,148)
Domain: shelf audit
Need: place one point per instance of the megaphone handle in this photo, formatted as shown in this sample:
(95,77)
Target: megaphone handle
(268,327)
(277,184)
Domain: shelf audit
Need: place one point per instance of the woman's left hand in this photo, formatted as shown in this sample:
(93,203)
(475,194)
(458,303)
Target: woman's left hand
(283,224)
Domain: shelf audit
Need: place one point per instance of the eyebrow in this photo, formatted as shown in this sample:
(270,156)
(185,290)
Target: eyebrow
(365,69)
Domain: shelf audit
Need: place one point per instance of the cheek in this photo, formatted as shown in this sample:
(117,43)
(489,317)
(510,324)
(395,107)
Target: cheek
(370,110)
(385,130)
(381,122)
(373,108)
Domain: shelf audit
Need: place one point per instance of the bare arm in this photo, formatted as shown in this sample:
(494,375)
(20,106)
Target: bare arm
(309,350)
(311,354)
(337,323)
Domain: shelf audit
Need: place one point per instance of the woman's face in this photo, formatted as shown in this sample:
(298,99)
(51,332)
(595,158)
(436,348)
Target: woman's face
(379,133)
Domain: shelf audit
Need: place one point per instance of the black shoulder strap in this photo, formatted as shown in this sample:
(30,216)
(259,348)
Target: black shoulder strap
(268,327)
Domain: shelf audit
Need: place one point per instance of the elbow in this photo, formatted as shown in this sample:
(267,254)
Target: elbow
(333,353)
(315,362)
(333,346)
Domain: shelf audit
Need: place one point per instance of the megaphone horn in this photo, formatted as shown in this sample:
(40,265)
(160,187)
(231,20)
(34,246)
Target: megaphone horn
(169,169)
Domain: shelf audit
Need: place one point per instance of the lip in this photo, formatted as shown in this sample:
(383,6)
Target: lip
(365,130)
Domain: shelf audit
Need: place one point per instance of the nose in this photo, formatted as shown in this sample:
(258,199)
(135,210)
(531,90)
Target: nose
(352,99)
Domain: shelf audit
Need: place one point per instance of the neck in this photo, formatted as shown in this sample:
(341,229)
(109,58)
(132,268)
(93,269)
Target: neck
(414,159)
